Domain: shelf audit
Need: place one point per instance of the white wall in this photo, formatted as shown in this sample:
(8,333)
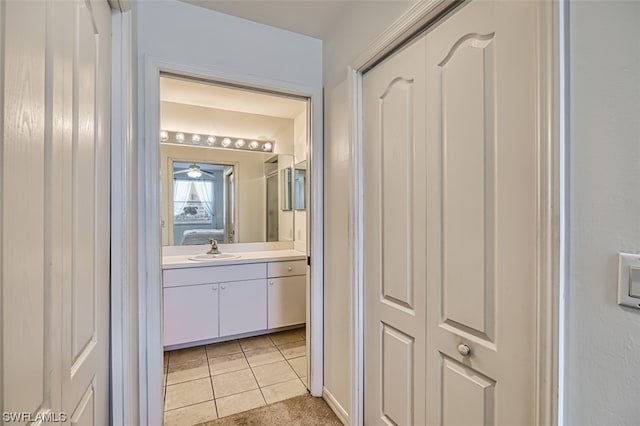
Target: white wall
(349,39)
(603,347)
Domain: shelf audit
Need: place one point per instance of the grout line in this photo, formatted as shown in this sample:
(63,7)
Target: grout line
(191,405)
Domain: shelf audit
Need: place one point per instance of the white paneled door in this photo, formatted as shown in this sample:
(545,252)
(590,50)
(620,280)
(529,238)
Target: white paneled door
(450,223)
(394,238)
(55,211)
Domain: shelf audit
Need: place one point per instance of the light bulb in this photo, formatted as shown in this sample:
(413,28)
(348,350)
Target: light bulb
(239,143)
(267,146)
(211,140)
(180,137)
(253,145)
(226,142)
(195,138)
(164,135)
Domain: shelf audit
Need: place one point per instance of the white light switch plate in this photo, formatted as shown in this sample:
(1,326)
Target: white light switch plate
(629,280)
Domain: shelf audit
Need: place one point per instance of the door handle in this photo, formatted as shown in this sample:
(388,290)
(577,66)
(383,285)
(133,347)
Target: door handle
(464,349)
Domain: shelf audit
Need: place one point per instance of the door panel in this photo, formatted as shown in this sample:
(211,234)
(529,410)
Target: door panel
(190,313)
(243,307)
(481,222)
(55,201)
(394,155)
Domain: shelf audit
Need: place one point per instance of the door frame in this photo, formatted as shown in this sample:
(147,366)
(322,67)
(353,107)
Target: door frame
(150,256)
(551,205)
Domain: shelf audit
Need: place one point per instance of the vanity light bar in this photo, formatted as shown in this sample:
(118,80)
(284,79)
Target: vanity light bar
(226,142)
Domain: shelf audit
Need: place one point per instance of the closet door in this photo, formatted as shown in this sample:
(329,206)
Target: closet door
(481,215)
(394,238)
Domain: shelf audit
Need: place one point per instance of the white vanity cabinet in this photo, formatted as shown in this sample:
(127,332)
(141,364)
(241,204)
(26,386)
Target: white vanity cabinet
(207,303)
(286,293)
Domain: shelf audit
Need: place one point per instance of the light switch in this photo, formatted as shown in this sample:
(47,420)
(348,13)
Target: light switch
(629,280)
(634,282)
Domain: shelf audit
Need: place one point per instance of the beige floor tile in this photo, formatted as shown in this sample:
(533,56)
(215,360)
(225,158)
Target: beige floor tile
(258,342)
(225,348)
(299,365)
(232,383)
(191,415)
(293,349)
(187,371)
(238,403)
(227,364)
(263,356)
(166,361)
(182,356)
(282,391)
(270,374)
(188,393)
(286,337)
(304,381)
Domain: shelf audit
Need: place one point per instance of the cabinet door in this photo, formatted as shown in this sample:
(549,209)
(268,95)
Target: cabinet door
(243,307)
(286,301)
(190,313)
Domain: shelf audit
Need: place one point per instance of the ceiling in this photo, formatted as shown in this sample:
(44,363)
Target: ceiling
(226,98)
(311,17)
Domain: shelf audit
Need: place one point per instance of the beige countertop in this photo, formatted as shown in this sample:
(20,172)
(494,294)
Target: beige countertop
(183,261)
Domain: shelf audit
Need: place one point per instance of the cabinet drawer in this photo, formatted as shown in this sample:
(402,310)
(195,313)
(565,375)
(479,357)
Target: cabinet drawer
(286,269)
(213,274)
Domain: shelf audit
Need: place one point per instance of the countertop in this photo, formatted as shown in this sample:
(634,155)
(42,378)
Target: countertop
(177,262)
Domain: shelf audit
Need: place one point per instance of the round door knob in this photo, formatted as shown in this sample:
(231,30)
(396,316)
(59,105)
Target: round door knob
(290,269)
(464,350)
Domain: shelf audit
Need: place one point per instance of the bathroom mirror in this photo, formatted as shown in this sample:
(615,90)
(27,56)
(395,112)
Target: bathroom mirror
(285,185)
(299,184)
(225,194)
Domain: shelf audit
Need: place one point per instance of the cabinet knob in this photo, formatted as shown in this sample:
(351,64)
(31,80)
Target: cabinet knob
(270,282)
(290,268)
(224,287)
(464,350)
(215,287)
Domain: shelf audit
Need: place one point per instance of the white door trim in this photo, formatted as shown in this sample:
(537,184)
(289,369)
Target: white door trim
(124,365)
(550,202)
(150,294)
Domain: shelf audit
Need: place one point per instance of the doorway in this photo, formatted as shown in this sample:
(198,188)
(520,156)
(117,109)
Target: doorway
(313,219)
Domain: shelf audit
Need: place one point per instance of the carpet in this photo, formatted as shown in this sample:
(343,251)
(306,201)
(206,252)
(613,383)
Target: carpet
(302,410)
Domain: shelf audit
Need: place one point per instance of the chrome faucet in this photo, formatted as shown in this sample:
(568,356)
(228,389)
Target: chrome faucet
(214,247)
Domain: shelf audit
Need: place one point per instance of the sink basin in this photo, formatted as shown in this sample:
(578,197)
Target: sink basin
(221,256)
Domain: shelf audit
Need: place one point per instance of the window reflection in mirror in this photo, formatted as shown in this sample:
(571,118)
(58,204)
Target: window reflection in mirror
(203,195)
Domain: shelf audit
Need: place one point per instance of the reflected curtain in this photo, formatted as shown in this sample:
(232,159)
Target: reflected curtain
(181,190)
(204,189)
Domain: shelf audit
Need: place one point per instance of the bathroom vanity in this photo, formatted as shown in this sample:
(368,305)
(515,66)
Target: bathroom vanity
(217,300)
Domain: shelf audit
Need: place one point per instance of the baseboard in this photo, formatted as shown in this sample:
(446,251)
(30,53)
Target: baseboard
(335,406)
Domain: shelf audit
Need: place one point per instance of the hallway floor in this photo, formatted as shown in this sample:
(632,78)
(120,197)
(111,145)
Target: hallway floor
(218,380)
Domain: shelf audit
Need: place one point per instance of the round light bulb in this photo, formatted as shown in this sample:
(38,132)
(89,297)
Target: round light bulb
(164,135)
(195,138)
(240,143)
(211,140)
(226,142)
(267,146)
(180,137)
(254,144)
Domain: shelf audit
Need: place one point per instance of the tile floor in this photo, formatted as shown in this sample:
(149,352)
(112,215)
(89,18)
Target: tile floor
(221,379)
